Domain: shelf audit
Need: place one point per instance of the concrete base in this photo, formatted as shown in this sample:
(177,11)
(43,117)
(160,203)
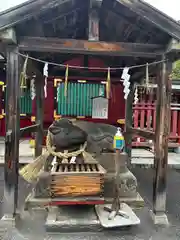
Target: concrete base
(159,219)
(118,221)
(72,219)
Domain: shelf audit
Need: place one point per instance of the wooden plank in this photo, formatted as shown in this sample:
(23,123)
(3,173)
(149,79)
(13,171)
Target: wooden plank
(77,183)
(75,46)
(32,128)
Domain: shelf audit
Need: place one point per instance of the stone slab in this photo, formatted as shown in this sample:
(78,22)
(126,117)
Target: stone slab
(117,221)
(72,219)
(144,157)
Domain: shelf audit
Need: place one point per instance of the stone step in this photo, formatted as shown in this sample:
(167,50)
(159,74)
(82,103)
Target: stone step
(142,157)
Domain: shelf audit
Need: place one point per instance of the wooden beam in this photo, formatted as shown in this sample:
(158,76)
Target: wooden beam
(173,46)
(150,14)
(86,47)
(93,23)
(142,133)
(29,129)
(8,36)
(161,141)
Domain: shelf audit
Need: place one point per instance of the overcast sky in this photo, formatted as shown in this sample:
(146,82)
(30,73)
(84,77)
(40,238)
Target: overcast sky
(172,7)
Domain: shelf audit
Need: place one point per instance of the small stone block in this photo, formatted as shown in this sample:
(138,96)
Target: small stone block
(52,215)
(159,219)
(118,221)
(8,220)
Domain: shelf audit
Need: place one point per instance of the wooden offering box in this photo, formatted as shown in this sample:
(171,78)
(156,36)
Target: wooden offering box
(77,181)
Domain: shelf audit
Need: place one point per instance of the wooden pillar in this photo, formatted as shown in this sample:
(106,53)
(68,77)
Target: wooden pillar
(39,83)
(161,142)
(129,121)
(12,134)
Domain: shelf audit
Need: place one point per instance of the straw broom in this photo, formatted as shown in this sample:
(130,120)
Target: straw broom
(31,171)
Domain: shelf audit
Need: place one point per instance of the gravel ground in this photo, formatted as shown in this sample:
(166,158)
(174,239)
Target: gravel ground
(32,227)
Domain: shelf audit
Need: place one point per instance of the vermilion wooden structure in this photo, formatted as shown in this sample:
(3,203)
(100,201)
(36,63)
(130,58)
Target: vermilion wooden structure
(144,115)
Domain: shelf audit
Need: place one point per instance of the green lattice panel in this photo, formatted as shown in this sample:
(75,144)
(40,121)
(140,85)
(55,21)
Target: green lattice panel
(79,98)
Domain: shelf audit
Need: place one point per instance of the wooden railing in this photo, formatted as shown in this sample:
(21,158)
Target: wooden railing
(144,117)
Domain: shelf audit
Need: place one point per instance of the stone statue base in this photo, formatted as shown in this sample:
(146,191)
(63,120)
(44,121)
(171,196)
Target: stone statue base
(127,183)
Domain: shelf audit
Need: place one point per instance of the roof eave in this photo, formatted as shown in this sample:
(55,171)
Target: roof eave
(15,15)
(154,16)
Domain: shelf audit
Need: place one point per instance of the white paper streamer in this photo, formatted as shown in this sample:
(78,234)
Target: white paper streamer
(136,96)
(45,72)
(33,89)
(126,77)
(45,88)
(58,92)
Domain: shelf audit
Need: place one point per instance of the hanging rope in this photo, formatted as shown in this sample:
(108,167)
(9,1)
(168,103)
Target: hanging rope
(90,68)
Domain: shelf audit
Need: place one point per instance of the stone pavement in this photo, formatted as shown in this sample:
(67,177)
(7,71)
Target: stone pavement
(26,153)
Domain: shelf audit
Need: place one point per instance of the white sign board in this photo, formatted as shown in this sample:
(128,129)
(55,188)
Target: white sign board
(100,108)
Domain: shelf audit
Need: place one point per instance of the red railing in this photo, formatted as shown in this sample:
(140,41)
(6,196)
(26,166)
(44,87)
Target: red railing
(144,117)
